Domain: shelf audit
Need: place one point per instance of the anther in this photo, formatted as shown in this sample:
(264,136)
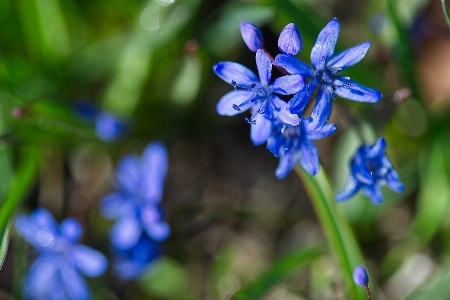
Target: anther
(236,107)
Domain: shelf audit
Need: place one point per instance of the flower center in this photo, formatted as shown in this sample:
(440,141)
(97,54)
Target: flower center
(324,76)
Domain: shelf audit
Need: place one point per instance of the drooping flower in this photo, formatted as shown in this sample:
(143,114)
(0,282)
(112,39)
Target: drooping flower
(252,36)
(294,144)
(257,94)
(140,185)
(370,169)
(324,76)
(109,127)
(360,276)
(57,272)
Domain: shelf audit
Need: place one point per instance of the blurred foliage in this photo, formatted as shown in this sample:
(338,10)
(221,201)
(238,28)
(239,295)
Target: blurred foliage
(236,229)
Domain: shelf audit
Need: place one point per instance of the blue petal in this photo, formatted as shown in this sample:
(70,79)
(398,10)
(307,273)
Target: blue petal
(288,85)
(360,276)
(290,40)
(252,36)
(231,71)
(351,188)
(352,90)
(309,158)
(128,174)
(111,206)
(373,192)
(286,164)
(155,163)
(71,229)
(393,183)
(90,262)
(44,219)
(273,145)
(359,169)
(319,133)
(225,105)
(283,112)
(293,65)
(377,150)
(261,130)
(27,229)
(348,58)
(109,127)
(264,67)
(73,281)
(298,103)
(156,229)
(322,110)
(128,269)
(325,44)
(125,233)
(43,281)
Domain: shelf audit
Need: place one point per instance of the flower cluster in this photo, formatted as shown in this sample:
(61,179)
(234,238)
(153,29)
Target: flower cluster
(370,169)
(57,271)
(289,134)
(140,225)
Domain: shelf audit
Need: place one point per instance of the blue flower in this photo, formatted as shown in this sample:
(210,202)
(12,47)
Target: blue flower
(370,169)
(57,272)
(323,75)
(252,36)
(130,263)
(109,127)
(360,276)
(140,185)
(294,144)
(257,94)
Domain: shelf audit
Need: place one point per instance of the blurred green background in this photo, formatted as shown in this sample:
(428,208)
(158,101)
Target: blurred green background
(236,228)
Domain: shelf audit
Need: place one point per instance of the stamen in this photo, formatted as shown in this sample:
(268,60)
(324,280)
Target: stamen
(250,87)
(261,111)
(234,85)
(236,107)
(250,121)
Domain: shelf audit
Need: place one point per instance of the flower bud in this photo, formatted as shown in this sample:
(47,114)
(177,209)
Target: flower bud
(360,276)
(252,36)
(290,40)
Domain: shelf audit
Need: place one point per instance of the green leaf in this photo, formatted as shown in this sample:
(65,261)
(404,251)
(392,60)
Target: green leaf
(434,194)
(340,238)
(446,13)
(25,174)
(287,265)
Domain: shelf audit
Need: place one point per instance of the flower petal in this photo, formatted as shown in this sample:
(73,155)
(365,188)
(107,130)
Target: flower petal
(44,219)
(128,173)
(42,279)
(322,110)
(377,150)
(348,58)
(319,133)
(252,36)
(273,145)
(73,281)
(154,166)
(111,205)
(286,164)
(373,192)
(359,169)
(264,67)
(298,103)
(351,188)
(352,90)
(325,44)
(290,40)
(225,105)
(309,158)
(27,229)
(288,85)
(125,233)
(90,262)
(71,229)
(393,182)
(283,112)
(293,65)
(231,71)
(261,130)
(155,228)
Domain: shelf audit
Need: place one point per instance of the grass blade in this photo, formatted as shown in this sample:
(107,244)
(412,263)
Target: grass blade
(446,13)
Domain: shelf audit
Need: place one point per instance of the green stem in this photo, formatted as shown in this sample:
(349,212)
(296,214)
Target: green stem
(446,13)
(340,238)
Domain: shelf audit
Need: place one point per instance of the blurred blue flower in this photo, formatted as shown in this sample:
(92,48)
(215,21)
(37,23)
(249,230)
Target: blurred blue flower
(109,127)
(360,276)
(252,36)
(130,263)
(57,272)
(370,169)
(257,94)
(140,183)
(294,144)
(323,75)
